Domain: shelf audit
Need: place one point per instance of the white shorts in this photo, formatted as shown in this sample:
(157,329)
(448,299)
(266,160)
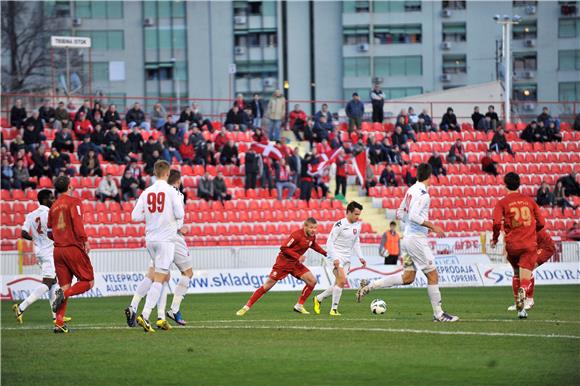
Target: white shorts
(162,255)
(46,264)
(419,254)
(344,263)
(182,259)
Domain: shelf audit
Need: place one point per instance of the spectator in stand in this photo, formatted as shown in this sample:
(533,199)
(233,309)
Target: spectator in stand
(47,113)
(86,146)
(488,165)
(321,130)
(240,102)
(64,140)
(545,117)
(378,102)
(205,155)
(476,117)
(295,163)
(390,246)
(553,132)
(124,150)
(305,178)
(576,125)
(425,122)
(298,122)
(399,140)
(493,116)
(86,110)
(574,232)
(60,163)
(35,121)
(83,126)
(236,119)
(457,153)
(97,119)
(413,119)
(17,114)
(259,136)
(410,175)
(528,134)
(60,114)
(282,145)
(449,121)
(257,110)
(39,167)
(185,120)
(97,110)
(112,117)
(149,147)
(406,128)
(370,178)
(198,120)
(32,137)
(276,113)
(136,140)
(112,141)
(323,112)
(267,173)
(107,189)
(540,133)
(5,154)
(229,154)
(137,173)
(570,184)
(499,143)
(129,186)
(319,184)
(393,153)
(252,169)
(98,136)
(437,165)
(150,160)
(196,138)
(136,117)
(221,139)
(375,150)
(8,180)
(90,165)
(560,197)
(17,144)
(355,110)
(205,188)
(544,197)
(220,190)
(21,176)
(171,146)
(187,151)
(340,177)
(388,177)
(484,124)
(158,115)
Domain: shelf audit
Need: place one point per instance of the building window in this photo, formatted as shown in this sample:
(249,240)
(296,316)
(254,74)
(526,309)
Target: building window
(568,8)
(525,29)
(455,64)
(57,8)
(523,3)
(105,40)
(253,69)
(568,91)
(100,71)
(525,61)
(99,9)
(569,60)
(525,92)
(396,6)
(164,9)
(454,32)
(256,39)
(255,8)
(454,4)
(159,71)
(398,66)
(356,67)
(356,6)
(398,34)
(568,28)
(356,35)
(166,38)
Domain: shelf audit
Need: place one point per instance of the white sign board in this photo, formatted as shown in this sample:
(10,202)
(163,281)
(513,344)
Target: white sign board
(232,69)
(116,71)
(70,41)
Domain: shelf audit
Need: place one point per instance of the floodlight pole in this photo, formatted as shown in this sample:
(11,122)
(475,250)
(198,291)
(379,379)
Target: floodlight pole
(506,24)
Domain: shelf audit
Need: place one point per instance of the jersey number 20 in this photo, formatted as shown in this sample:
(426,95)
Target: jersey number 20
(156,202)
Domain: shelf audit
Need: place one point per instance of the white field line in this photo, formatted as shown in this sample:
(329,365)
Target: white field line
(313,328)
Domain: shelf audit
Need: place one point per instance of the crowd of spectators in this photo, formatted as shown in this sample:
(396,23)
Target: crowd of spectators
(565,187)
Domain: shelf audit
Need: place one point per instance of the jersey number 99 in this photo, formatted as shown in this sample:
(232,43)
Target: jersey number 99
(156,202)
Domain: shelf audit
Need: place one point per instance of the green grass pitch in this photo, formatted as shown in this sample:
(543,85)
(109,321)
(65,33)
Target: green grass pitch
(272,345)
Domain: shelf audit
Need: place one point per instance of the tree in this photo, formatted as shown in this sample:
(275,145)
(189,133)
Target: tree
(26,32)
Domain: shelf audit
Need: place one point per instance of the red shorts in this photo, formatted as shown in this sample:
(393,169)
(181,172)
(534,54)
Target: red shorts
(546,248)
(522,257)
(284,267)
(72,261)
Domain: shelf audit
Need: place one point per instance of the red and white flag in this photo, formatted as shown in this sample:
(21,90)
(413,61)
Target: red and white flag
(325,160)
(269,150)
(360,166)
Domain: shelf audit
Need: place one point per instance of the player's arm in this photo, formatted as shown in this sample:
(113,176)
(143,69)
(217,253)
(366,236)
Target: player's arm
(497,221)
(358,250)
(178,209)
(400,214)
(318,248)
(24,233)
(138,213)
(287,248)
(416,215)
(77,223)
(330,251)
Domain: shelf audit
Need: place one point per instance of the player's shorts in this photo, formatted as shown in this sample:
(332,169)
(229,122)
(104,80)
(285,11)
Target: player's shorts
(418,254)
(284,267)
(182,259)
(46,264)
(162,254)
(72,261)
(522,257)
(546,248)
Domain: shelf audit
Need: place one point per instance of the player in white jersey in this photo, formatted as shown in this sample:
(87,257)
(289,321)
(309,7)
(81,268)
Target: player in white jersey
(183,262)
(160,206)
(35,229)
(342,243)
(414,212)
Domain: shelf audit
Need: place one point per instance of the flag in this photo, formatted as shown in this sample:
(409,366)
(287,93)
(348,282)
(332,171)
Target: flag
(360,166)
(325,160)
(268,150)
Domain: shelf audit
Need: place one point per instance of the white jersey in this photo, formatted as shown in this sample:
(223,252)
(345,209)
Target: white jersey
(36,226)
(414,210)
(161,208)
(180,221)
(343,241)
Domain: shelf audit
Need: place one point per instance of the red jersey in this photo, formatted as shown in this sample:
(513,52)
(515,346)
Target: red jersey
(521,218)
(297,244)
(66,221)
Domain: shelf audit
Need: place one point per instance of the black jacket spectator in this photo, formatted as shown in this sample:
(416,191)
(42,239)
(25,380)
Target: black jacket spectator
(86,146)
(570,184)
(112,118)
(16,145)
(47,113)
(90,165)
(31,135)
(544,197)
(449,121)
(40,165)
(499,143)
(252,169)
(476,117)
(35,121)
(17,115)
(136,140)
(98,136)
(64,140)
(437,165)
(388,177)
(136,115)
(129,186)
(149,147)
(257,108)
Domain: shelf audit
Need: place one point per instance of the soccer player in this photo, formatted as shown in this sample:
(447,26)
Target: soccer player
(161,208)
(343,241)
(71,248)
(183,262)
(414,212)
(521,218)
(290,262)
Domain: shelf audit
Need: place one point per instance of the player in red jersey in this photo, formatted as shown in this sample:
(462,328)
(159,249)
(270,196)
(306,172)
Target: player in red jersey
(71,249)
(290,262)
(521,219)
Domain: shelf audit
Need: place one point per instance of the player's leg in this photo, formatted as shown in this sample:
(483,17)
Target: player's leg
(513,259)
(405,278)
(140,293)
(38,293)
(337,290)
(162,323)
(64,277)
(318,299)
(526,264)
(178,294)
(310,282)
(546,249)
(260,292)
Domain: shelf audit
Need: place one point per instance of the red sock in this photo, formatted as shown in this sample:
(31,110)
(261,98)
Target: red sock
(530,291)
(60,313)
(515,286)
(526,284)
(256,296)
(306,291)
(77,289)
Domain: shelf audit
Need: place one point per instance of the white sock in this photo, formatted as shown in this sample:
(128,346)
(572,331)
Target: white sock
(140,292)
(152,299)
(34,296)
(389,281)
(336,294)
(162,302)
(51,297)
(435,297)
(179,293)
(326,293)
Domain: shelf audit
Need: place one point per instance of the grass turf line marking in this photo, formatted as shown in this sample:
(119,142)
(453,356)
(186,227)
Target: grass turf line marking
(306,328)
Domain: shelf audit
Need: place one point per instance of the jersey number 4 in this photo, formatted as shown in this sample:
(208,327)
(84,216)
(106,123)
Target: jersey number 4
(524,214)
(156,202)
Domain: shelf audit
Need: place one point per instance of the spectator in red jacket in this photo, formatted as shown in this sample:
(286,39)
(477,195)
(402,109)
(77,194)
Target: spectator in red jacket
(297,120)
(83,126)
(187,151)
(259,136)
(221,139)
(340,176)
(488,165)
(457,153)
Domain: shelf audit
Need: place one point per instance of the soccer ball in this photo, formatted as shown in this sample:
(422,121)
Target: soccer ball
(378,306)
